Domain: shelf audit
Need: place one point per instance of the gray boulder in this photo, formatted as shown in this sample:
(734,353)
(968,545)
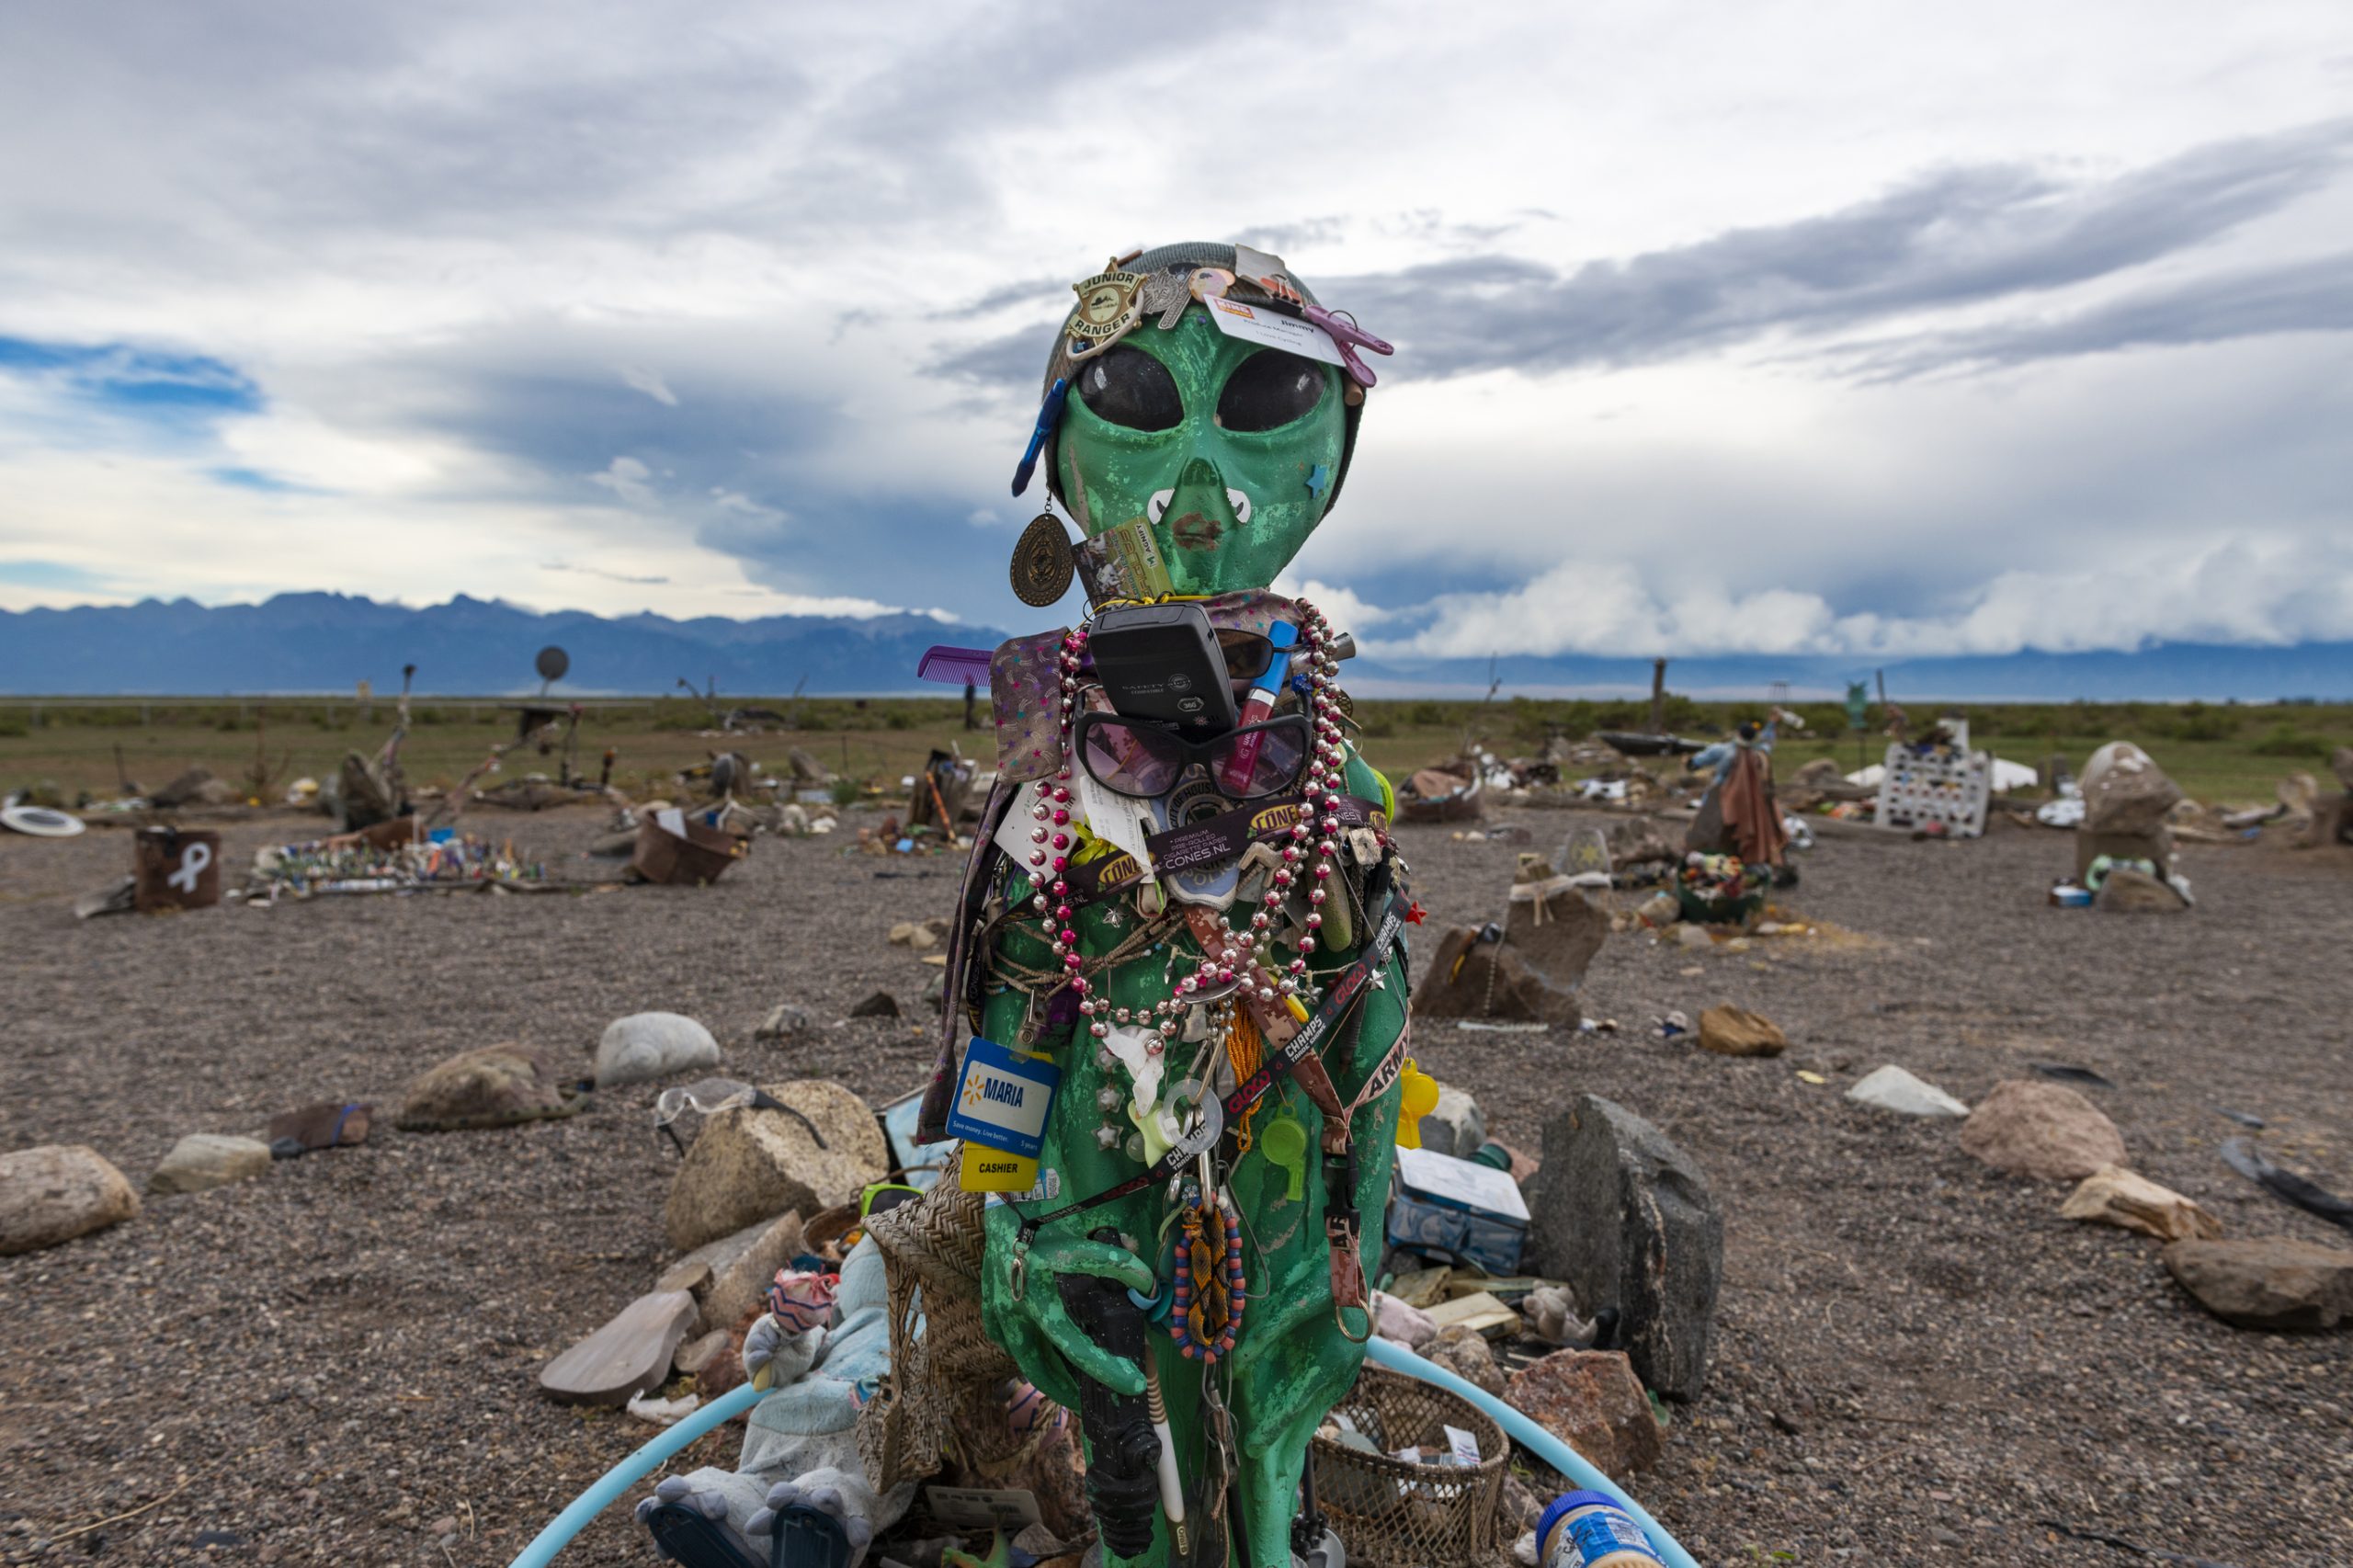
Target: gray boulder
(1625,1219)
(652,1045)
(205,1160)
(2271,1282)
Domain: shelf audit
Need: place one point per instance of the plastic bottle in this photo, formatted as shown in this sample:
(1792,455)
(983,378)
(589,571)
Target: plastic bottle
(1588,1530)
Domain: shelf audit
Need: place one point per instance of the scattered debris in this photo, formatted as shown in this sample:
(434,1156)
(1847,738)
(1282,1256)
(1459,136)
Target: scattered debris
(2044,1130)
(2243,1157)
(1455,1127)
(1462,1349)
(1893,1088)
(40,822)
(2115,1196)
(328,1124)
(682,850)
(56,1192)
(627,1356)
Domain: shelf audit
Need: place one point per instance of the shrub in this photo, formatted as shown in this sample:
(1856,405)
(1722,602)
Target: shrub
(2286,740)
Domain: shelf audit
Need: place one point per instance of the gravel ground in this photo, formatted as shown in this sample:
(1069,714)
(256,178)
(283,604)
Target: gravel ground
(1916,1360)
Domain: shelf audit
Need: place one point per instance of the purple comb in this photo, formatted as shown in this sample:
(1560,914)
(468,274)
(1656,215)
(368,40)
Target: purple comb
(954,666)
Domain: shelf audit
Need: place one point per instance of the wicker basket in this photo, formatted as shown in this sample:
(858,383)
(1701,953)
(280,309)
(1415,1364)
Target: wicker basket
(1388,1512)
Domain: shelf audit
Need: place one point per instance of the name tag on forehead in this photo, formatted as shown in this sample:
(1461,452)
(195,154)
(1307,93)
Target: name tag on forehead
(1256,323)
(1002,1101)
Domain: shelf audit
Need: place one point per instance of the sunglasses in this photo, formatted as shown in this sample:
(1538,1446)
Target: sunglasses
(1144,760)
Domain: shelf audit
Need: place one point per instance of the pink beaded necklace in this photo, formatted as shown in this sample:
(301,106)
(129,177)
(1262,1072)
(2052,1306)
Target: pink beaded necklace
(1268,977)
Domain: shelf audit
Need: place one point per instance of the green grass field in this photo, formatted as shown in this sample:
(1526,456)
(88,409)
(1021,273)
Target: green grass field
(2233,753)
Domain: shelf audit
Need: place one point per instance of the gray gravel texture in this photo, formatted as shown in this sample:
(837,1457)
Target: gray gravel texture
(1916,1360)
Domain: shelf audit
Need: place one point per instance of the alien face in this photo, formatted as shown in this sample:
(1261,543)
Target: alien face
(1223,448)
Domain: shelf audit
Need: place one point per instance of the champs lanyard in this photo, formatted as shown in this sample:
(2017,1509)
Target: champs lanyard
(1337,1002)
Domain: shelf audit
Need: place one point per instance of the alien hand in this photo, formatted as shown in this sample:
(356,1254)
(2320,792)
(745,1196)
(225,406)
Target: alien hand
(1037,1318)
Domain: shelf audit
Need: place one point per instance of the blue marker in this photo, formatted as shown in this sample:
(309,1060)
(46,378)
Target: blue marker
(1049,413)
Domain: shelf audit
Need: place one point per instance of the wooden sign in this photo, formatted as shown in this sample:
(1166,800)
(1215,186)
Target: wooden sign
(176,869)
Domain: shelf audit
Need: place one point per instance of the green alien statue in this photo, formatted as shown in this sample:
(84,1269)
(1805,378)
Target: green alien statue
(1223,1024)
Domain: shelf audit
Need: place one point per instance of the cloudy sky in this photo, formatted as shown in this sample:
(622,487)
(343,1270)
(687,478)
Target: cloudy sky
(1737,327)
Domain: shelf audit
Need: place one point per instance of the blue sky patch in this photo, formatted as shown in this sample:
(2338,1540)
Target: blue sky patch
(138,382)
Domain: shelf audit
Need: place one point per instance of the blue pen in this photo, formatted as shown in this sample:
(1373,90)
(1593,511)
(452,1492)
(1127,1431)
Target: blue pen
(1049,413)
(1257,707)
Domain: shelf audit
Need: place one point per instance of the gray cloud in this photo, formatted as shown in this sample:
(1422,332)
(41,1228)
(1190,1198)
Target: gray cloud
(2310,296)
(1959,237)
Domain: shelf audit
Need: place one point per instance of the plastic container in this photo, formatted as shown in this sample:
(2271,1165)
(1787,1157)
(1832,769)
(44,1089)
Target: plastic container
(1588,1530)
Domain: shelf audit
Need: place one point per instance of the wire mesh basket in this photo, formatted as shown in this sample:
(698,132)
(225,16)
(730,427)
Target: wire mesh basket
(1394,1512)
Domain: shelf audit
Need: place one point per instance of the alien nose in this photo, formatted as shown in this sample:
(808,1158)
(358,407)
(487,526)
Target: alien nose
(1157,507)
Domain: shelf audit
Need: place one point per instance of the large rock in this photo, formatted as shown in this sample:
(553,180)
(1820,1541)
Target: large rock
(2340,761)
(1624,1219)
(751,1165)
(492,1086)
(728,1277)
(56,1192)
(1893,1088)
(203,1160)
(2267,1282)
(628,1356)
(2125,891)
(1455,1125)
(2125,790)
(1533,974)
(652,1045)
(1592,1401)
(1735,1031)
(2044,1131)
(2114,1196)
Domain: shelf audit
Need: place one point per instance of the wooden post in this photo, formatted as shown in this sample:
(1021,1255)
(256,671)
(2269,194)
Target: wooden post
(1658,696)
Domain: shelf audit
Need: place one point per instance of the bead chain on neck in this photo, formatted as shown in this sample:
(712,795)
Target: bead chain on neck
(1054,835)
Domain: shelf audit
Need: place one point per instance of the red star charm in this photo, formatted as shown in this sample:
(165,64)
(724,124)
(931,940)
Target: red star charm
(1415,913)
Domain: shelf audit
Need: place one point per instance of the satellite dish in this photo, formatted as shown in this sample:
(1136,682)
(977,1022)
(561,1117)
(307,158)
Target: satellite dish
(552,662)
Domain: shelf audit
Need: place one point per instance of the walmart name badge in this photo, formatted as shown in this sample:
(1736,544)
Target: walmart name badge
(1003,1100)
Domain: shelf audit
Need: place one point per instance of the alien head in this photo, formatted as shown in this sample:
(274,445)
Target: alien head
(1230,451)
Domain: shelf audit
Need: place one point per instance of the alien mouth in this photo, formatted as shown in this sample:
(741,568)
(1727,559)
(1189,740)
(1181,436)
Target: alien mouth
(1194,531)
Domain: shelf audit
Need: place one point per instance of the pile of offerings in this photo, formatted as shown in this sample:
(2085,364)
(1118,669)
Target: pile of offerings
(444,860)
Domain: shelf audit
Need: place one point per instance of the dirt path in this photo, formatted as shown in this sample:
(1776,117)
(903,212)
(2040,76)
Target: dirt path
(327,1362)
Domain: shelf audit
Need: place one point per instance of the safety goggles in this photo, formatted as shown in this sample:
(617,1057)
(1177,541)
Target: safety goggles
(1141,759)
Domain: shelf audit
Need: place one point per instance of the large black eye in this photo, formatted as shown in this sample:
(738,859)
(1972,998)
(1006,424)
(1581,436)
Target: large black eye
(1129,387)
(1270,390)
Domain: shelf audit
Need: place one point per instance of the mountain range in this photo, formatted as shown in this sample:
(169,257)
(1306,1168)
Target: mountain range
(325,642)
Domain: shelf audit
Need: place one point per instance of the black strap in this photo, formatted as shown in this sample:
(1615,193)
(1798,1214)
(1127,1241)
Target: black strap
(1344,994)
